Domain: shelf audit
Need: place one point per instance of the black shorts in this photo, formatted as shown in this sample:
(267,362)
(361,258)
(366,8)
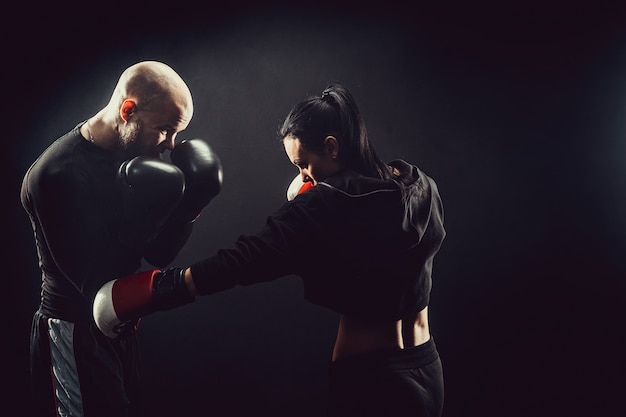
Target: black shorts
(76,370)
(400,382)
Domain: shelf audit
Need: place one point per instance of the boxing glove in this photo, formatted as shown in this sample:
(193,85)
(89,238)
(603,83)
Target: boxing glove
(298,186)
(122,302)
(203,177)
(148,190)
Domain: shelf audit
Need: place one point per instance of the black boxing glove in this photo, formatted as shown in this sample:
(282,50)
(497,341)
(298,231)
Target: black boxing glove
(121,303)
(148,190)
(203,177)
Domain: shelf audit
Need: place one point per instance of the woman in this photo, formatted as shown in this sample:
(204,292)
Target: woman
(362,238)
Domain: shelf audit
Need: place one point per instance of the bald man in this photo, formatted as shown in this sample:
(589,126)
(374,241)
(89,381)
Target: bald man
(149,106)
(101,199)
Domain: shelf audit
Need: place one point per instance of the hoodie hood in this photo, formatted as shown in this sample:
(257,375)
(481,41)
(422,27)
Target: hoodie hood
(423,209)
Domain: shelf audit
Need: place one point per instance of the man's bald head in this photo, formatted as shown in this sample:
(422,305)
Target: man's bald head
(151,84)
(149,106)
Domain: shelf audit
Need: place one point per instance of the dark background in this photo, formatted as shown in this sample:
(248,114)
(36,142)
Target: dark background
(517,112)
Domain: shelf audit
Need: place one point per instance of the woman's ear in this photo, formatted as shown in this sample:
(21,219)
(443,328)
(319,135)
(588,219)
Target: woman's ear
(331,146)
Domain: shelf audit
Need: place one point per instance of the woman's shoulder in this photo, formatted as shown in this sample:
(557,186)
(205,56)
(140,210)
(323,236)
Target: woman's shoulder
(354,184)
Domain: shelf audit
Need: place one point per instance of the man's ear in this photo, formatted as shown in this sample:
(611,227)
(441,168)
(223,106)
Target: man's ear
(127,109)
(331,145)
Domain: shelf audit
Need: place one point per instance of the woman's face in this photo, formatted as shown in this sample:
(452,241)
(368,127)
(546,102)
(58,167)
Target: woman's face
(314,166)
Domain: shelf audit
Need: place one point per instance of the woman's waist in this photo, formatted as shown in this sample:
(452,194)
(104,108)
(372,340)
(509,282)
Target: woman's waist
(357,335)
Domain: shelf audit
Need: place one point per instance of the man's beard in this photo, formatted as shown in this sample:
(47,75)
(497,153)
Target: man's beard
(129,140)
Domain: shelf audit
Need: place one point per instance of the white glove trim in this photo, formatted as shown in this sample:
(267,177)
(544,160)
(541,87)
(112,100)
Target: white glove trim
(294,187)
(104,312)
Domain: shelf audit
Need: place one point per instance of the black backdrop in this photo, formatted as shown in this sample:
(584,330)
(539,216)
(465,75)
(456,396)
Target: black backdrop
(518,113)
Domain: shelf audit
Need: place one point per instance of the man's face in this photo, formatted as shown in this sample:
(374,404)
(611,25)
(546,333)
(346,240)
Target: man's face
(151,132)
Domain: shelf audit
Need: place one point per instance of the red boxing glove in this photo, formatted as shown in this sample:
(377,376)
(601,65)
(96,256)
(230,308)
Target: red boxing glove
(121,302)
(298,186)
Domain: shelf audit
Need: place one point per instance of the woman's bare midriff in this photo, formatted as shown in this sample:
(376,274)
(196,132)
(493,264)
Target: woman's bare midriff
(359,336)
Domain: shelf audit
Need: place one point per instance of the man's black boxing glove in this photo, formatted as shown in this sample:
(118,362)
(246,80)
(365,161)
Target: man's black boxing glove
(147,191)
(203,177)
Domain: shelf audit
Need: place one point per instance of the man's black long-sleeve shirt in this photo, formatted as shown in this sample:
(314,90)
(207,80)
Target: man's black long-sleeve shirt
(69,195)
